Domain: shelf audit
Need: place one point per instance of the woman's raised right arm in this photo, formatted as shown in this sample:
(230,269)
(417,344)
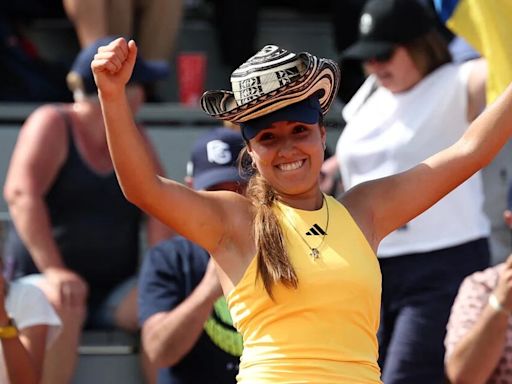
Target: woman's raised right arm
(200,216)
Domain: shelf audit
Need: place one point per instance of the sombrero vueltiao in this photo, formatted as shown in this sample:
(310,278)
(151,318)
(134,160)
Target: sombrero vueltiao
(270,80)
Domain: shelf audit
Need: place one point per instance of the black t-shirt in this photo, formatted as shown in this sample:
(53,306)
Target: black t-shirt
(170,272)
(94,226)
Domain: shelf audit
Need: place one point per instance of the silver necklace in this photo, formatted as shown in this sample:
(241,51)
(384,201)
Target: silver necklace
(313,251)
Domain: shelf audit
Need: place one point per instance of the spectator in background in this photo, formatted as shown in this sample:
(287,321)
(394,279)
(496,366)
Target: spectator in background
(186,326)
(28,326)
(154,23)
(346,15)
(479,333)
(72,223)
(415,103)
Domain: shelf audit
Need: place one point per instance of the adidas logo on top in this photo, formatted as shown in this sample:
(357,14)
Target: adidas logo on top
(316,230)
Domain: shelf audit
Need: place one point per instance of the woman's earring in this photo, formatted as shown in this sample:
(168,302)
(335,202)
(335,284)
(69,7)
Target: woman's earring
(325,146)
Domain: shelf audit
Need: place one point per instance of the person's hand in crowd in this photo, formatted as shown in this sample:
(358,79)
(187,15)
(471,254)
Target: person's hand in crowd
(210,281)
(503,291)
(67,288)
(113,65)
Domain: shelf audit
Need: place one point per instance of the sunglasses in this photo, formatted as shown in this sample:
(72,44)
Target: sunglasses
(383,57)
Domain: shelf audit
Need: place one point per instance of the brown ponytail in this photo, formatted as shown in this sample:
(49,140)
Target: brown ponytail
(272,257)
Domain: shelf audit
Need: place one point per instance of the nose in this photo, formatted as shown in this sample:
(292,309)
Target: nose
(287,148)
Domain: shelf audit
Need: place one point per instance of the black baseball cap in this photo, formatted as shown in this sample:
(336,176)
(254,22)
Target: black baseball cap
(214,158)
(386,23)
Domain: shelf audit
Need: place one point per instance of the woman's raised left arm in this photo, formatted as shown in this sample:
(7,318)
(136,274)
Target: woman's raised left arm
(383,205)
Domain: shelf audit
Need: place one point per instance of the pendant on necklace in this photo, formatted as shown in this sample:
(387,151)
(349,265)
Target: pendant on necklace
(314,253)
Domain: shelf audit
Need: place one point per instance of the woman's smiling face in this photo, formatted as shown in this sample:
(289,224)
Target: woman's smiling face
(289,155)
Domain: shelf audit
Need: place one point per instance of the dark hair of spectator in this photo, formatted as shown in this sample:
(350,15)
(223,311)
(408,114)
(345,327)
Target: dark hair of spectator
(429,51)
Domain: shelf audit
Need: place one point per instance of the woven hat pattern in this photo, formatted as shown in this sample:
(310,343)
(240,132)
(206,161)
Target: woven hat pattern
(270,80)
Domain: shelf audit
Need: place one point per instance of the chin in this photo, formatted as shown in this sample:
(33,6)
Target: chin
(294,188)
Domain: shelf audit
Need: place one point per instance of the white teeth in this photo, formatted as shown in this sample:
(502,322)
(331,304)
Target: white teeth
(291,166)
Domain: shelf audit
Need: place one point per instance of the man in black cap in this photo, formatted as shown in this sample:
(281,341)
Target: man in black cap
(186,327)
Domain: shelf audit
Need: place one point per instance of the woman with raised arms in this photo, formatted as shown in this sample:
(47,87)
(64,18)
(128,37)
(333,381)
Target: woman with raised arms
(298,268)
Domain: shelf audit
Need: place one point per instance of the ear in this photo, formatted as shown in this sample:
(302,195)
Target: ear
(323,136)
(251,155)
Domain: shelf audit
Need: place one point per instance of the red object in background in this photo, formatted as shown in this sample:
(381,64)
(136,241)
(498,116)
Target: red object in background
(191,77)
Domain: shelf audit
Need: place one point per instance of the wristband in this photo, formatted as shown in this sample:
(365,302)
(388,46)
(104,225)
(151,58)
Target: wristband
(9,331)
(495,304)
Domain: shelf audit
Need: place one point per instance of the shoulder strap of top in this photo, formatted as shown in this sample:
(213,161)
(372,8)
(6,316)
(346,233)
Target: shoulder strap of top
(67,121)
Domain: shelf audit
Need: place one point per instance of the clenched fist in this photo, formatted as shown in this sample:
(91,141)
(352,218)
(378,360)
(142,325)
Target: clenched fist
(113,65)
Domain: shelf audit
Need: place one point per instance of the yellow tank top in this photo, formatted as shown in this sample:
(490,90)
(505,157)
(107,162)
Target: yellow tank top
(324,331)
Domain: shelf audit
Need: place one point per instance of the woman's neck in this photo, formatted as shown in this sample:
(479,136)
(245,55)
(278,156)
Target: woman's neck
(309,201)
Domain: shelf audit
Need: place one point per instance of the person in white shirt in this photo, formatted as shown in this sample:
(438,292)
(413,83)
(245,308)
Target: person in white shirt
(415,103)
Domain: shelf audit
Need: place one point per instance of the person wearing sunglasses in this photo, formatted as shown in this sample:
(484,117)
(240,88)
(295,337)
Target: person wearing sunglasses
(415,102)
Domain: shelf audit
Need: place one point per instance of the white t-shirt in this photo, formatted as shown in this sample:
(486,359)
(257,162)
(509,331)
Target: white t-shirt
(28,306)
(388,133)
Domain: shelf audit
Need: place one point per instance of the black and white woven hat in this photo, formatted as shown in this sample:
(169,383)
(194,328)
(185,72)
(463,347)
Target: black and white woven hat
(270,80)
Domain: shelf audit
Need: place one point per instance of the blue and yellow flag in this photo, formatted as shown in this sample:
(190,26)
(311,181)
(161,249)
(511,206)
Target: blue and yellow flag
(487,26)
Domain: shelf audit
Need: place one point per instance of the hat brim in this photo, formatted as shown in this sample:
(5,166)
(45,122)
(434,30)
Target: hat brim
(216,176)
(149,71)
(367,50)
(321,77)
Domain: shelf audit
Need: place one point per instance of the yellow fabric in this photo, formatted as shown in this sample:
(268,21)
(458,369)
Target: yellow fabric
(487,26)
(324,331)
